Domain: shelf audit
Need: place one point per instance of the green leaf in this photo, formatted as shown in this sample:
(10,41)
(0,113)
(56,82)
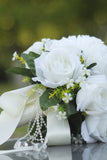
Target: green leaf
(33,54)
(22,66)
(26,58)
(1,110)
(91,65)
(70,108)
(21,71)
(32,57)
(46,102)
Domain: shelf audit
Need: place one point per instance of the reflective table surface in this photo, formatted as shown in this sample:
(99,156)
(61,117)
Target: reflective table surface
(97,151)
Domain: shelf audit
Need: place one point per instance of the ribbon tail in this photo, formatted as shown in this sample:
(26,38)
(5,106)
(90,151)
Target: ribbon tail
(13,107)
(8,125)
(58,131)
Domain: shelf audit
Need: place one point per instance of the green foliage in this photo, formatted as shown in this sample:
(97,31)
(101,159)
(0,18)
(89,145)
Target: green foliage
(21,71)
(31,57)
(70,108)
(1,110)
(91,65)
(46,102)
(26,58)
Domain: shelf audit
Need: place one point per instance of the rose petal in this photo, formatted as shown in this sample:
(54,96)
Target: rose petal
(85,134)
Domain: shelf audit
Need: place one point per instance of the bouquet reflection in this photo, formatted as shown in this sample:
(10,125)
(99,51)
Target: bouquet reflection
(75,152)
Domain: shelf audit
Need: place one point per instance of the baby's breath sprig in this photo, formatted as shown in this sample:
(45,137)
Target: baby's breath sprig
(43,47)
(65,94)
(14,56)
(81,59)
(26,79)
(31,92)
(75,89)
(39,85)
(61,108)
(59,92)
(67,97)
(56,92)
(17,57)
(20,58)
(61,114)
(70,83)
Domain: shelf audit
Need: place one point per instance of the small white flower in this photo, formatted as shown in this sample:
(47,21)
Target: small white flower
(86,71)
(14,56)
(67,98)
(70,83)
(80,79)
(61,115)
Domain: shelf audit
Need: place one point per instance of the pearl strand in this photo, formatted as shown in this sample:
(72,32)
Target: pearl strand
(37,135)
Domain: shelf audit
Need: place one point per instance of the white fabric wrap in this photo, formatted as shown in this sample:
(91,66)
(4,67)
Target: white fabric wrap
(58,131)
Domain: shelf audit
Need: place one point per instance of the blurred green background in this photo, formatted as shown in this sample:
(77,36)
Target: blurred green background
(22,22)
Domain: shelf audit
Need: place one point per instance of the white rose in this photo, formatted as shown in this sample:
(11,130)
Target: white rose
(92,97)
(94,51)
(57,67)
(94,128)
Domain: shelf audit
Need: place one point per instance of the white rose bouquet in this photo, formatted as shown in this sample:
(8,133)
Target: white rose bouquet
(67,92)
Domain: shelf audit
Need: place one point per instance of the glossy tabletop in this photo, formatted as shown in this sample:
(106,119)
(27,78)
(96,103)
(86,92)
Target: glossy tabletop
(97,151)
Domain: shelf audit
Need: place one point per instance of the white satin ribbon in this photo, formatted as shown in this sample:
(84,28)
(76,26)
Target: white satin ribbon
(58,131)
(9,118)
(18,109)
